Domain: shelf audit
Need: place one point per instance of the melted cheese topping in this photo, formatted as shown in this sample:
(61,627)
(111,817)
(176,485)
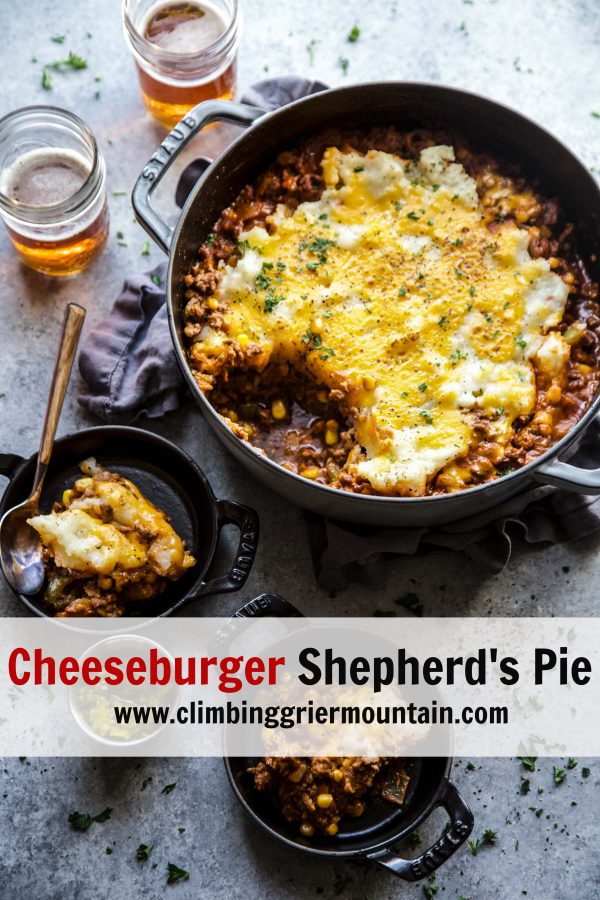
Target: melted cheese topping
(391,288)
(139,533)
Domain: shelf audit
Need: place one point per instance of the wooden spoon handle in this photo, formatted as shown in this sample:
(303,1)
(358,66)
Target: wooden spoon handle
(69,339)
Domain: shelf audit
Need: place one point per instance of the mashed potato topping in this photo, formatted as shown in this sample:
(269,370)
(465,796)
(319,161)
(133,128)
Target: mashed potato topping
(391,289)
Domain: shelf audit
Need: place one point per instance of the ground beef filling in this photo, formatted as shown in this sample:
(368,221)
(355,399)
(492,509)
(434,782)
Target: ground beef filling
(304,426)
(318,792)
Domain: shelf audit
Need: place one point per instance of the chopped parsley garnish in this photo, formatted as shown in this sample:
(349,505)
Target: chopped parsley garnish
(143,852)
(559,774)
(155,278)
(422,387)
(520,341)
(176,874)
(455,196)
(458,242)
(487,316)
(529,762)
(487,838)
(262,281)
(118,193)
(244,246)
(109,850)
(344,63)
(404,395)
(457,355)
(572,763)
(58,38)
(525,786)
(427,416)
(358,169)
(46,79)
(353,34)
(435,187)
(82,821)
(585,772)
(595,115)
(311,48)
(458,273)
(398,204)
(146,782)
(73,61)
(402,291)
(472,290)
(500,411)
(146,248)
(168,788)
(442,320)
(210,237)
(271,301)
(412,215)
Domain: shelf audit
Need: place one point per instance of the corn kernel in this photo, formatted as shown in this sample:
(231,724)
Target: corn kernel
(66,496)
(278,410)
(324,801)
(358,809)
(553,262)
(311,472)
(337,774)
(243,340)
(249,430)
(306,829)
(585,370)
(369,383)
(233,415)
(105,583)
(332,829)
(569,278)
(331,437)
(316,326)
(322,396)
(521,215)
(553,394)
(213,303)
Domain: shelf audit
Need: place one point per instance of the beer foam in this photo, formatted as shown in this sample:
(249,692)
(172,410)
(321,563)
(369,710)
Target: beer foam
(44,176)
(184,34)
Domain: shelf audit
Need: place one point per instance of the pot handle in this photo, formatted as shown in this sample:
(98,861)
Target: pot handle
(461,825)
(231,513)
(563,475)
(9,463)
(258,608)
(165,154)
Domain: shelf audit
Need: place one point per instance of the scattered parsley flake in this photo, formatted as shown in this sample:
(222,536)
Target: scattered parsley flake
(585,772)
(595,115)
(525,786)
(109,850)
(46,79)
(520,341)
(210,238)
(435,187)
(311,48)
(500,411)
(143,852)
(82,821)
(58,38)
(422,387)
(353,34)
(458,273)
(427,416)
(168,788)
(146,782)
(402,291)
(359,169)
(146,248)
(529,762)
(572,763)
(176,874)
(344,64)
(558,774)
(155,278)
(412,215)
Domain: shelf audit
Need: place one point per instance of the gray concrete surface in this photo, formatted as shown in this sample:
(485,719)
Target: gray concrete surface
(542,58)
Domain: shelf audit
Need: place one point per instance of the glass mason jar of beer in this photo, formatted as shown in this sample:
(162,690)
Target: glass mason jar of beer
(184,52)
(52,189)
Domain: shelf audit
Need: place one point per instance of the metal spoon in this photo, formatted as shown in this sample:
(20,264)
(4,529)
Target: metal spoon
(20,544)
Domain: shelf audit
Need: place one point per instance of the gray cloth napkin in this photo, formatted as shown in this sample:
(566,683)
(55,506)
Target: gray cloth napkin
(130,370)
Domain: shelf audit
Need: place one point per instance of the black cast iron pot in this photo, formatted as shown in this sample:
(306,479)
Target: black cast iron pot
(171,480)
(372,836)
(489,126)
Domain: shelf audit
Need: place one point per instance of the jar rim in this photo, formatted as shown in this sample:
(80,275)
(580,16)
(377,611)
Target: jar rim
(140,42)
(36,212)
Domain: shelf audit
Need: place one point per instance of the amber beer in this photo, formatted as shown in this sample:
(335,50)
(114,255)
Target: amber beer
(52,190)
(184,52)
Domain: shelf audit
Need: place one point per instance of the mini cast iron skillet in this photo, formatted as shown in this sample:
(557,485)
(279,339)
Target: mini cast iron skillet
(171,481)
(372,835)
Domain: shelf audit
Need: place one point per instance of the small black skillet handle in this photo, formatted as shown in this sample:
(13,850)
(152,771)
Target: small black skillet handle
(461,825)
(259,608)
(231,513)
(9,463)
